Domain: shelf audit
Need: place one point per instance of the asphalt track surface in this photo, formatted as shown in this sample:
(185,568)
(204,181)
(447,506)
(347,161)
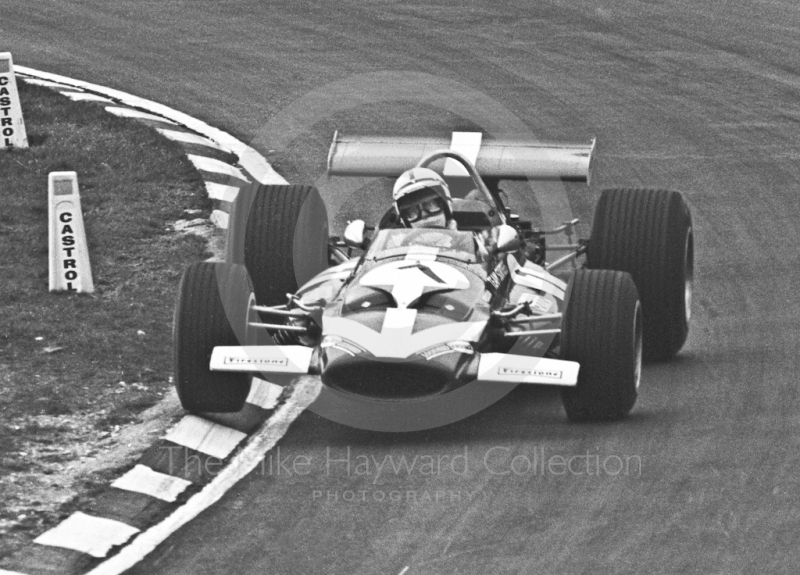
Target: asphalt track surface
(701,99)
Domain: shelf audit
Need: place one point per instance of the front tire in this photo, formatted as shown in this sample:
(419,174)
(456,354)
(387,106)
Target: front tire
(213,309)
(648,233)
(602,331)
(280,233)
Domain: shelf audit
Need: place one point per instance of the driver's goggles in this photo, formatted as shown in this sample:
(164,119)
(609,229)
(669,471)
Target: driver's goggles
(424,209)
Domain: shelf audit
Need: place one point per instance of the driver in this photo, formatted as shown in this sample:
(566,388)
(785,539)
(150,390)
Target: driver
(422,200)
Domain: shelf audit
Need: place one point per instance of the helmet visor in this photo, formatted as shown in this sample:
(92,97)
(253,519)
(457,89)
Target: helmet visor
(428,206)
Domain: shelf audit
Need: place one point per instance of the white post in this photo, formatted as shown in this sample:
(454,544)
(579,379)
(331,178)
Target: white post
(12,127)
(69,253)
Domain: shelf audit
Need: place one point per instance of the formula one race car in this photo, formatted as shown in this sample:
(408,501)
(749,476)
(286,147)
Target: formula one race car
(396,312)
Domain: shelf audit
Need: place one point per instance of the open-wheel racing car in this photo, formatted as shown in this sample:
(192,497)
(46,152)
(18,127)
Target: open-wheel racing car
(397,311)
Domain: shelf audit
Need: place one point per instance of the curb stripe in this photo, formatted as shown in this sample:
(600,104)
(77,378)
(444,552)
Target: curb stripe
(264,394)
(138,510)
(219,219)
(189,138)
(168,458)
(205,436)
(46,84)
(221,192)
(144,494)
(85,97)
(142,479)
(131,113)
(250,159)
(216,166)
(94,536)
(246,460)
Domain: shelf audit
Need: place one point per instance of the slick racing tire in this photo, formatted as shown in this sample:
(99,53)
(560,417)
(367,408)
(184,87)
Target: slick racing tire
(213,309)
(648,233)
(602,331)
(280,233)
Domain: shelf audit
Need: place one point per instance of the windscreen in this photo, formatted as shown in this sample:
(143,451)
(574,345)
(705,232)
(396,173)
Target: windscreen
(435,241)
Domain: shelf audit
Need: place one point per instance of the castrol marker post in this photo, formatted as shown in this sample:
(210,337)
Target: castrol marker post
(12,127)
(69,253)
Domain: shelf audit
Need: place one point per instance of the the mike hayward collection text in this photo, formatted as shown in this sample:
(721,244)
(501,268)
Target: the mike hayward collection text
(498,461)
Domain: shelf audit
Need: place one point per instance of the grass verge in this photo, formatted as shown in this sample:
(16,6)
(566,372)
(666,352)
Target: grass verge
(76,367)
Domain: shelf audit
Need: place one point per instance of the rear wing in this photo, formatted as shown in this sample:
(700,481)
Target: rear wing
(504,159)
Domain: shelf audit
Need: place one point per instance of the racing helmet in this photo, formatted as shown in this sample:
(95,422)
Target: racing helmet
(421,197)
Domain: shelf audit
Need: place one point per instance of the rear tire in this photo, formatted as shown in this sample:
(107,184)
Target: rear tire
(280,233)
(602,331)
(648,233)
(213,309)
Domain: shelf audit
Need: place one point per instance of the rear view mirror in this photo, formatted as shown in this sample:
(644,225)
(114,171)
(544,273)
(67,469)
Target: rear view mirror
(507,239)
(354,234)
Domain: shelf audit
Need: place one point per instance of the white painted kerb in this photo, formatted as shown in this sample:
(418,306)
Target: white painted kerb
(249,159)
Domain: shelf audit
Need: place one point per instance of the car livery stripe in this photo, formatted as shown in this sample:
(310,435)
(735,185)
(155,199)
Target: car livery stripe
(408,280)
(342,271)
(386,345)
(468,144)
(398,323)
(544,276)
(532,270)
(541,282)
